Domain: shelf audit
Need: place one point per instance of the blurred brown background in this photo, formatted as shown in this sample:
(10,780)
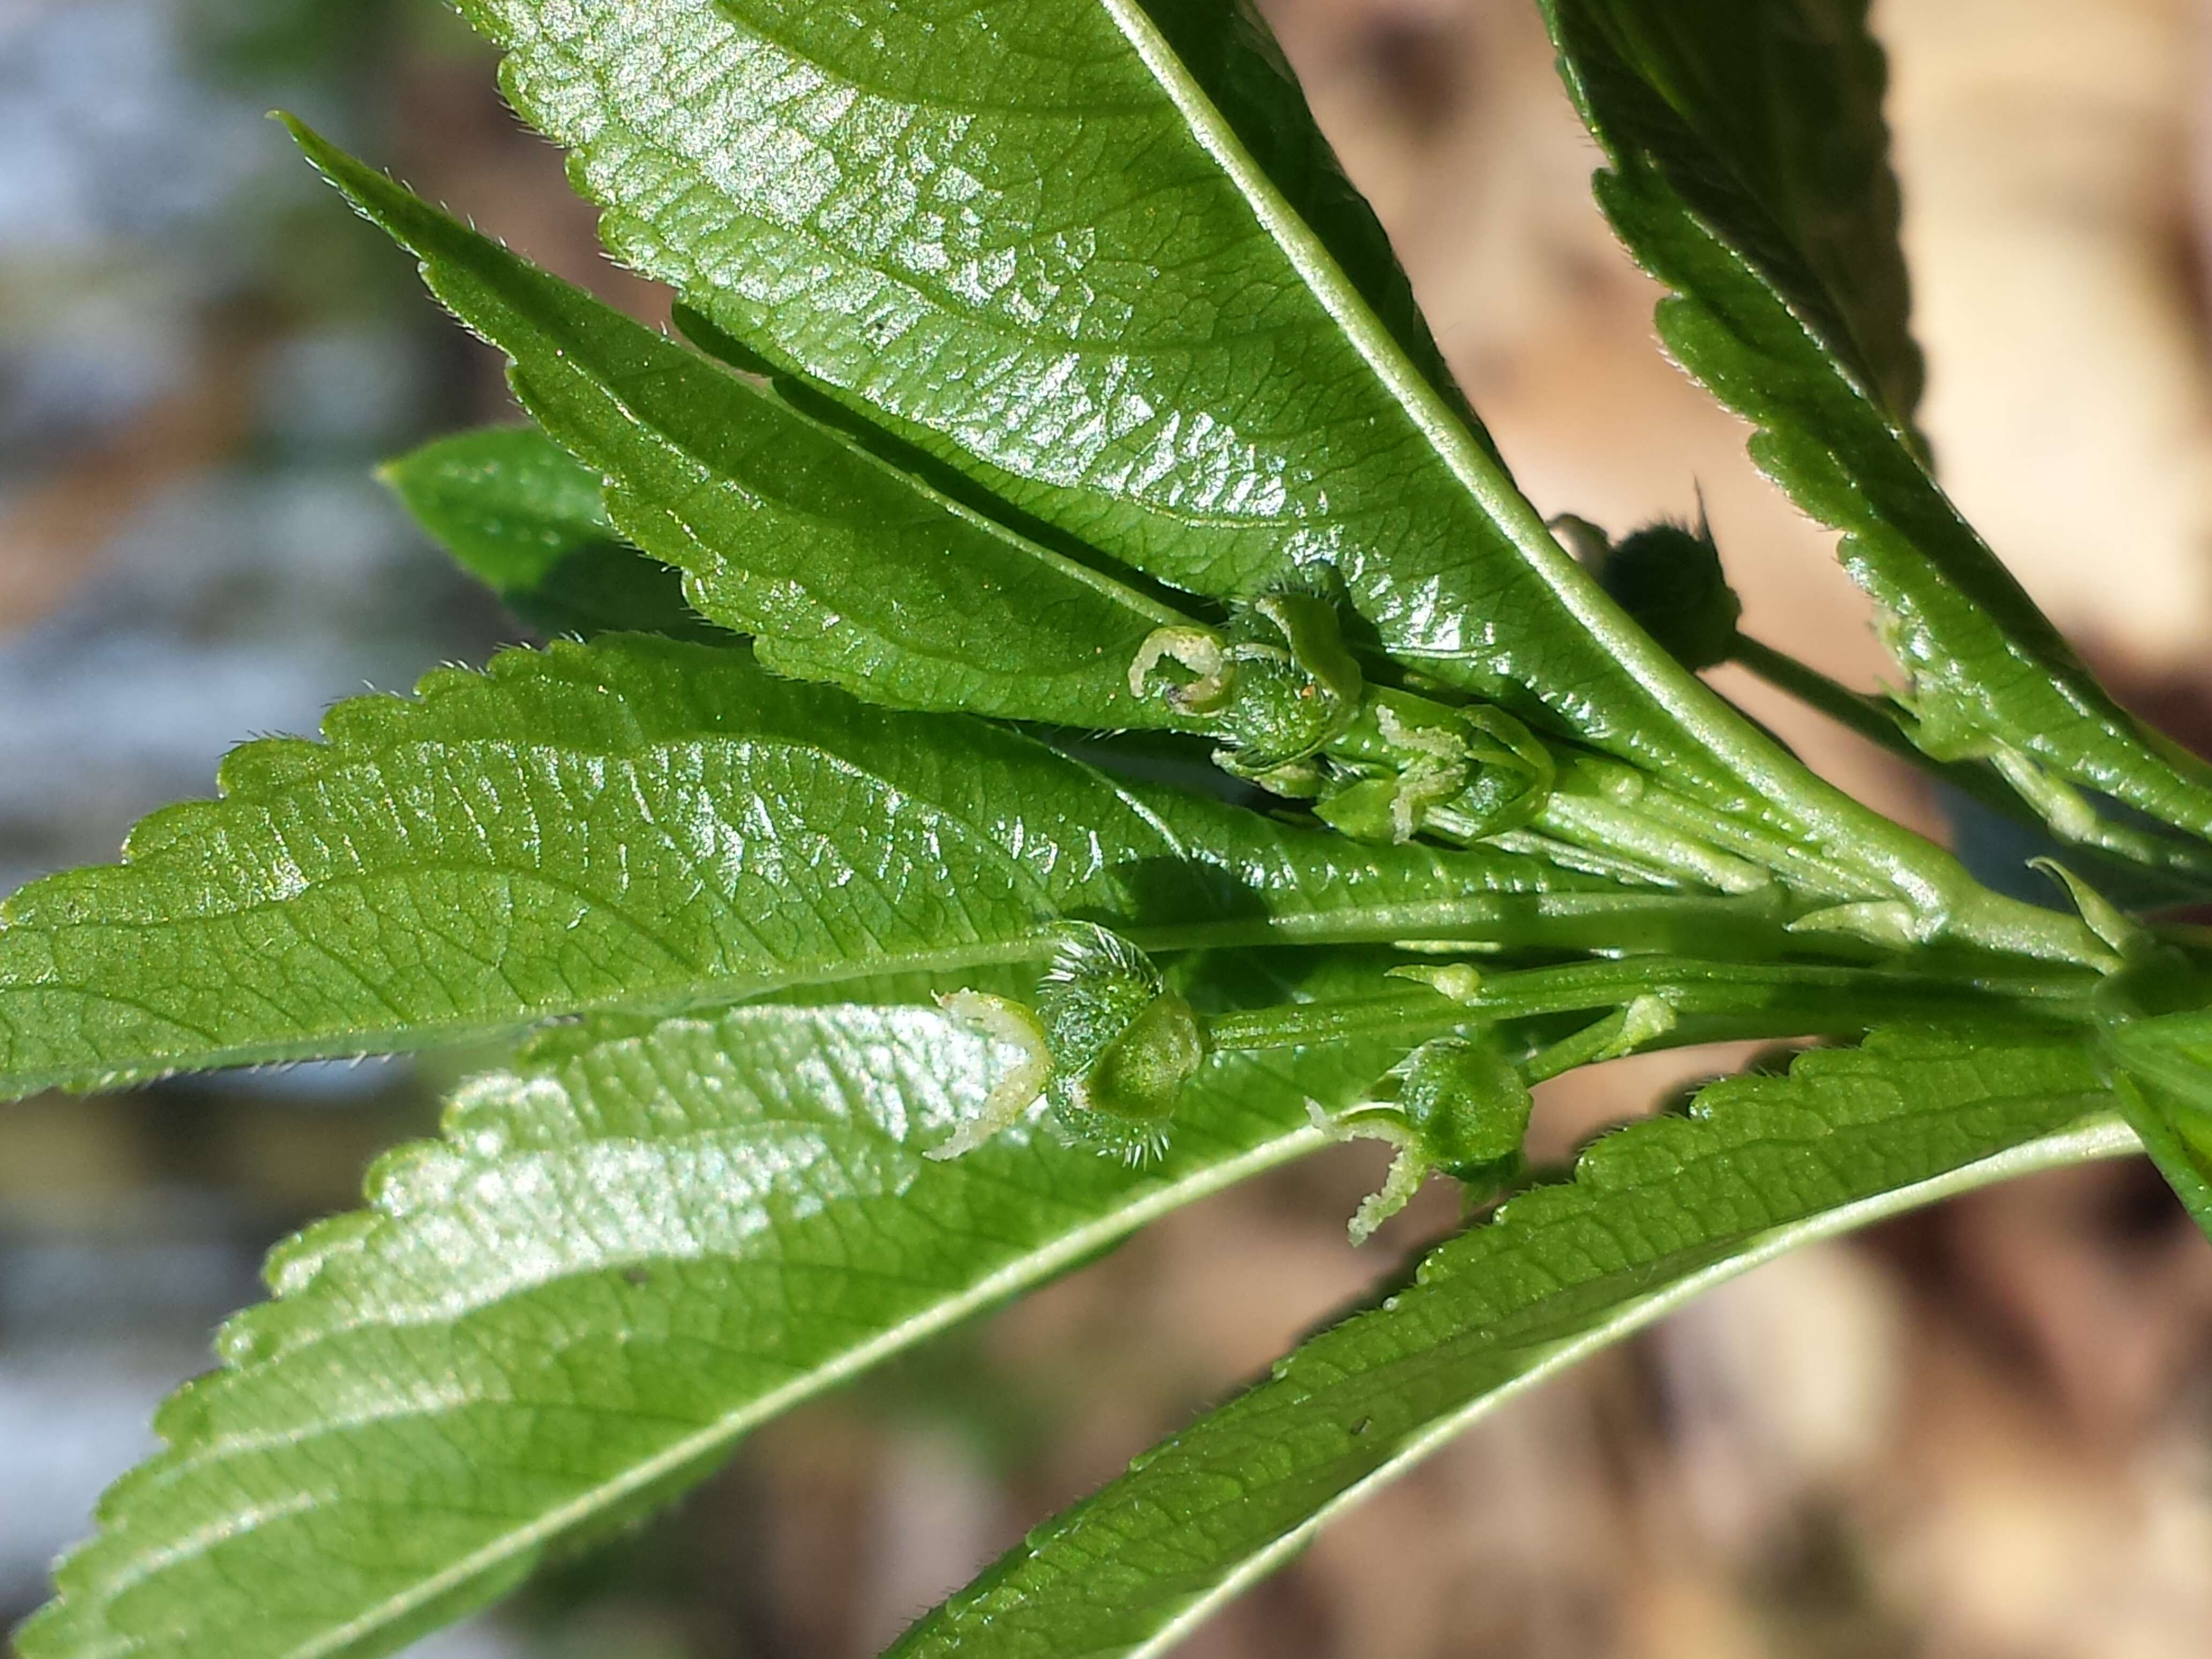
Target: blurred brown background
(1985,1433)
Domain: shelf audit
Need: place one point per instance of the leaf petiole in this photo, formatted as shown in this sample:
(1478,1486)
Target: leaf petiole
(1727,1000)
(2009,782)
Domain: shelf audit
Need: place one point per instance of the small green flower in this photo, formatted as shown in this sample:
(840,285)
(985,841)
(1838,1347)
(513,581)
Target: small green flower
(1276,679)
(1668,577)
(1460,1108)
(1123,1044)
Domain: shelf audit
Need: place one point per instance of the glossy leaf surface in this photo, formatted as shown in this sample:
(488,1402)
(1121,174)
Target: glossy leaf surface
(1767,116)
(1024,330)
(1746,173)
(623,1255)
(846,569)
(1030,240)
(1654,1212)
(647,825)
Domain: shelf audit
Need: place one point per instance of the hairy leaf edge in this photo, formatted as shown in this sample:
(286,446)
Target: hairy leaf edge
(2106,1136)
(1069,1250)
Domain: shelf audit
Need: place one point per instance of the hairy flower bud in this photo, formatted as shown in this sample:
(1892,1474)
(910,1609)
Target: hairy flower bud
(1468,1106)
(1275,683)
(1123,1044)
(1297,688)
(1668,578)
(1455,1104)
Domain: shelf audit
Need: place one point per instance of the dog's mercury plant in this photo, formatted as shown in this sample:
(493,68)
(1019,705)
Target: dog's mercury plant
(1060,707)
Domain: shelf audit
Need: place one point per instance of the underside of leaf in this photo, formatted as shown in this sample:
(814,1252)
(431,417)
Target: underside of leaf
(517,512)
(1788,305)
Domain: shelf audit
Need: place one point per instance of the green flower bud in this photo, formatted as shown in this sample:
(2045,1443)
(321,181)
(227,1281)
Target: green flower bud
(1372,808)
(1456,1104)
(1123,1044)
(1275,684)
(1477,769)
(1297,688)
(1469,1107)
(1514,772)
(1668,578)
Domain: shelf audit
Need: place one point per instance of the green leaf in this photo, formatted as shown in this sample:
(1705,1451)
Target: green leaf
(648,825)
(1765,116)
(624,1253)
(1655,1214)
(2165,1085)
(1032,242)
(2176,1131)
(853,572)
(1226,49)
(515,510)
(1747,173)
(846,569)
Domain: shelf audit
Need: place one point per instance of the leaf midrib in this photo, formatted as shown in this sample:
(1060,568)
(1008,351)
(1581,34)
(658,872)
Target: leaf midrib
(1703,716)
(1065,1252)
(2103,1136)
(1848,826)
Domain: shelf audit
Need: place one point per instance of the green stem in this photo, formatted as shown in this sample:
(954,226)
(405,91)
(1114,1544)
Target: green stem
(1607,1039)
(1766,1000)
(1600,797)
(1612,865)
(1889,860)
(1854,710)
(1597,822)
(1610,807)
(1752,927)
(2019,791)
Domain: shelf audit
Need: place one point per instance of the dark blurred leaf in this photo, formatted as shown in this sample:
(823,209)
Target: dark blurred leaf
(1668,577)
(1764,117)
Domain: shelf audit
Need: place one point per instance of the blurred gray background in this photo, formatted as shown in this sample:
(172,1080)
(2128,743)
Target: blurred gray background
(1985,1433)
